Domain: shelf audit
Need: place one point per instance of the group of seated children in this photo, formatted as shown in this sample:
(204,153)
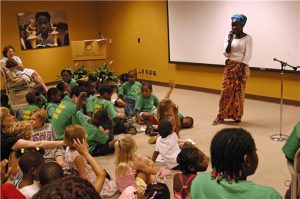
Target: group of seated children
(85,122)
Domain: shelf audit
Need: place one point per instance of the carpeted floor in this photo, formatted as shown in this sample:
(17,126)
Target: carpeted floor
(261,119)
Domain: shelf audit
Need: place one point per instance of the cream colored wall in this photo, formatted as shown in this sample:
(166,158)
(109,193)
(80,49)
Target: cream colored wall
(124,22)
(82,21)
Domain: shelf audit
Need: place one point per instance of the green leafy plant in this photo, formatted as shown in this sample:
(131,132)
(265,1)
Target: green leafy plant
(106,76)
(81,73)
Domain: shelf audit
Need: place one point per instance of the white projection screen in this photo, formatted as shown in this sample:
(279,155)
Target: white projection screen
(197,30)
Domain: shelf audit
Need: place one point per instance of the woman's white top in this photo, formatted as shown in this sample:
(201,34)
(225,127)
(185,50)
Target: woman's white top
(241,49)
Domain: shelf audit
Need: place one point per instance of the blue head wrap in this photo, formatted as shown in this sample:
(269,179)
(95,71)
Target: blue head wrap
(239,18)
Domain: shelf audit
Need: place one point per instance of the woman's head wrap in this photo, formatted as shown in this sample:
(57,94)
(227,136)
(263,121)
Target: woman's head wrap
(239,18)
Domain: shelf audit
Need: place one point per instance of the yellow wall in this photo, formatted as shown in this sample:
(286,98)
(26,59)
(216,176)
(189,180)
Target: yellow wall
(124,22)
(82,21)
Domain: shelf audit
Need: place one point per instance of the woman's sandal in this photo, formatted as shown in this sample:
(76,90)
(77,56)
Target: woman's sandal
(218,121)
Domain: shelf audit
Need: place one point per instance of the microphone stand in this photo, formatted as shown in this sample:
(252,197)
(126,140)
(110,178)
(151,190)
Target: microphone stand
(281,137)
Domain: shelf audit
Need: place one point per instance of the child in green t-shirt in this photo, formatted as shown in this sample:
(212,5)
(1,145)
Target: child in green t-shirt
(66,75)
(146,104)
(65,113)
(32,105)
(100,138)
(119,102)
(40,94)
(130,91)
(54,98)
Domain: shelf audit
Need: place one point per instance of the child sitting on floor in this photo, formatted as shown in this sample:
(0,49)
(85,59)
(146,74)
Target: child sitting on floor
(30,162)
(119,102)
(78,157)
(100,139)
(168,145)
(144,105)
(191,160)
(130,92)
(40,96)
(132,169)
(54,98)
(44,131)
(32,105)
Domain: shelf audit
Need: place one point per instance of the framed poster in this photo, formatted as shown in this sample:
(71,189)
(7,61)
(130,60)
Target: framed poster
(43,29)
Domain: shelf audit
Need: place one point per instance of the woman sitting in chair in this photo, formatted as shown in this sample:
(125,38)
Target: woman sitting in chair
(13,78)
(9,53)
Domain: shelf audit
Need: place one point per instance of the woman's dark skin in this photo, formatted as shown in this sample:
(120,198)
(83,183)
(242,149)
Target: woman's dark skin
(237,29)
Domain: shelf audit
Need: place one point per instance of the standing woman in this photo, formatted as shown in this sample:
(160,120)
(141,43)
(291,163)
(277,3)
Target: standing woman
(9,53)
(238,50)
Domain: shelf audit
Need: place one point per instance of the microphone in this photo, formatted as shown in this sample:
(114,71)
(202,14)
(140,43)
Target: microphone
(286,64)
(230,36)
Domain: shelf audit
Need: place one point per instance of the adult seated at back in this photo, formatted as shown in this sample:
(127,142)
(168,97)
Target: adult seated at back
(233,159)
(9,53)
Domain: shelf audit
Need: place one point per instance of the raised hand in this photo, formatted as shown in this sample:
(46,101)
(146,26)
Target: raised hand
(81,147)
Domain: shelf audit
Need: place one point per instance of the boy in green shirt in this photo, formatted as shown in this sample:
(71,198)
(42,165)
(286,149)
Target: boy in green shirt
(146,103)
(65,113)
(100,141)
(66,75)
(32,105)
(103,102)
(130,91)
(54,97)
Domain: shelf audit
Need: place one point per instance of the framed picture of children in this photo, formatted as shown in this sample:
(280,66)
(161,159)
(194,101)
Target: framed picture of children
(43,29)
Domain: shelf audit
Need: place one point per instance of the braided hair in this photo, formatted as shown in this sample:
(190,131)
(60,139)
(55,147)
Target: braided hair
(228,148)
(157,190)
(191,160)
(71,187)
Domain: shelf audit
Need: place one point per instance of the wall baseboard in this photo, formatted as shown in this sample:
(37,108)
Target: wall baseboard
(214,91)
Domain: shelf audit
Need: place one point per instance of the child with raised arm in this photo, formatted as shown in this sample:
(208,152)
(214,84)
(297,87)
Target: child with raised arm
(77,156)
(130,92)
(44,131)
(191,160)
(132,169)
(146,104)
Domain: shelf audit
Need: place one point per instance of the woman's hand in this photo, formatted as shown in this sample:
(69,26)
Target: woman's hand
(171,84)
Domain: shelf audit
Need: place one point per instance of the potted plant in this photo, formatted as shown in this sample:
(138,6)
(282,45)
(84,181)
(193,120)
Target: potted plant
(106,76)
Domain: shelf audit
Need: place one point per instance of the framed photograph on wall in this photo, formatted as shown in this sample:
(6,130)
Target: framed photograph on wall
(43,29)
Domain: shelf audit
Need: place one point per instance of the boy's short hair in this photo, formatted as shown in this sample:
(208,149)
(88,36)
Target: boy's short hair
(105,89)
(101,116)
(50,172)
(92,78)
(39,14)
(51,92)
(76,90)
(11,63)
(66,70)
(124,77)
(61,86)
(191,123)
(132,72)
(30,159)
(31,98)
(147,84)
(164,128)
